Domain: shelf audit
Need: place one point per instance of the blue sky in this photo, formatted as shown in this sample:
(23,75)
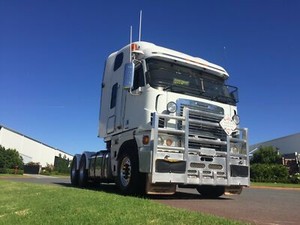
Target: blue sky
(52,55)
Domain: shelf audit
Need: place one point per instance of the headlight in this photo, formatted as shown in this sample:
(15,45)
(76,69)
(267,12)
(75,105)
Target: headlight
(236,119)
(171,107)
(234,149)
(170,141)
(238,148)
(160,141)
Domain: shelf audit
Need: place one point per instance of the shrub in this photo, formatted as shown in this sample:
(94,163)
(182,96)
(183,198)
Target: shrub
(266,166)
(33,164)
(11,171)
(45,172)
(49,168)
(61,164)
(295,179)
(268,173)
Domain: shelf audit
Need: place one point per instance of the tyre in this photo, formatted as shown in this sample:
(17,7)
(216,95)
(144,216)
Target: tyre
(129,180)
(211,191)
(83,173)
(74,172)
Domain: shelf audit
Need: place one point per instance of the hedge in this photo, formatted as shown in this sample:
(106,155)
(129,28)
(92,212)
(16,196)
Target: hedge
(269,173)
(11,171)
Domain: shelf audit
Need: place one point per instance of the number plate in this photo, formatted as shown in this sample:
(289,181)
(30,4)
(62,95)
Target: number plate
(208,151)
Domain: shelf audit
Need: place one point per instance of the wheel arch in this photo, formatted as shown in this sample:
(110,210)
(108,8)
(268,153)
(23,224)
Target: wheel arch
(130,144)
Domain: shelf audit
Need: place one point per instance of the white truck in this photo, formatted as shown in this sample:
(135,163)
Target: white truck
(168,119)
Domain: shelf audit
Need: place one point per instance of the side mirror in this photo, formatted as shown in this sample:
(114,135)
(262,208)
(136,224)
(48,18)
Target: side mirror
(128,76)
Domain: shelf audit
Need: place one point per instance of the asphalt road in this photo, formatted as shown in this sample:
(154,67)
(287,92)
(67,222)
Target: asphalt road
(257,206)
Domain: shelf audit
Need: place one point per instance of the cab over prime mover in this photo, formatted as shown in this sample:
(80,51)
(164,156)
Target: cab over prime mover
(168,119)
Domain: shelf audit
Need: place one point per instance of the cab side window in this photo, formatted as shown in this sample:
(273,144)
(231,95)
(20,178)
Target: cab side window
(139,80)
(113,97)
(118,61)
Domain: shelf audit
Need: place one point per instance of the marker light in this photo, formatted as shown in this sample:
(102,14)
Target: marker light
(134,47)
(146,139)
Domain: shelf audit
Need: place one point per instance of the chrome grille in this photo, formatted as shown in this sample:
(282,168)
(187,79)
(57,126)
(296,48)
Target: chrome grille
(197,145)
(205,113)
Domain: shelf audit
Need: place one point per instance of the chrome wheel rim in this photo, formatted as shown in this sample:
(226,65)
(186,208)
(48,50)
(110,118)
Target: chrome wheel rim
(125,171)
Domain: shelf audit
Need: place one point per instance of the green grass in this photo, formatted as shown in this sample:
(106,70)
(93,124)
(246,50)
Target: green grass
(26,176)
(26,203)
(279,185)
(10,175)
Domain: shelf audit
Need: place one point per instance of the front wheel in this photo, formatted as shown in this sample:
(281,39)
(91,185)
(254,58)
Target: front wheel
(128,174)
(211,191)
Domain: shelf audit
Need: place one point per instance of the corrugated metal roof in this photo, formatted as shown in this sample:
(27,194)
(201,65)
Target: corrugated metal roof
(285,145)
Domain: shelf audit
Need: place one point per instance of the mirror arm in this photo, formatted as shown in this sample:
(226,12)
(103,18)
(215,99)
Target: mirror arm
(138,92)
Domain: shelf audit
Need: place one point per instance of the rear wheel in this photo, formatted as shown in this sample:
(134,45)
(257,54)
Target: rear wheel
(83,173)
(74,172)
(211,191)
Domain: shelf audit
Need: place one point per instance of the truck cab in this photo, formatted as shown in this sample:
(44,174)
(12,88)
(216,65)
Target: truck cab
(169,119)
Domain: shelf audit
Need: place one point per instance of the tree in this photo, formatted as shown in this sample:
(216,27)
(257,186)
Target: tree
(2,157)
(266,155)
(61,164)
(10,158)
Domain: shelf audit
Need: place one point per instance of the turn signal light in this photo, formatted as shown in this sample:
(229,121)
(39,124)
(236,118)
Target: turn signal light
(146,139)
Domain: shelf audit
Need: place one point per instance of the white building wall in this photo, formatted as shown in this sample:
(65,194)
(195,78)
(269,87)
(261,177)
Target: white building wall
(30,149)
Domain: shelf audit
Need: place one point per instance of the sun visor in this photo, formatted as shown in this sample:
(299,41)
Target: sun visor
(196,63)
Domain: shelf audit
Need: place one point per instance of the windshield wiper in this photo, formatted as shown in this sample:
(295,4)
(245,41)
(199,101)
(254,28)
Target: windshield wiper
(223,99)
(168,87)
(183,89)
(202,85)
(171,88)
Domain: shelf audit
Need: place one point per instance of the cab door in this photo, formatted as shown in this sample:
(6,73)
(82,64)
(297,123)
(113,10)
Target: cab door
(115,91)
(134,110)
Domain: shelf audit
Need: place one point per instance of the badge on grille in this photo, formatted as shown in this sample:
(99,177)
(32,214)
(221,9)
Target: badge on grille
(228,125)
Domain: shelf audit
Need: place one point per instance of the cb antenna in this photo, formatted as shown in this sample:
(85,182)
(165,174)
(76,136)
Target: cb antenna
(225,56)
(140,27)
(130,40)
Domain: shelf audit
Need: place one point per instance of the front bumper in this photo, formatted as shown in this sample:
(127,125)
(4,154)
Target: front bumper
(190,165)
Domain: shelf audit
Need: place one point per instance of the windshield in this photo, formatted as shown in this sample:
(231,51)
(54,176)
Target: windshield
(181,79)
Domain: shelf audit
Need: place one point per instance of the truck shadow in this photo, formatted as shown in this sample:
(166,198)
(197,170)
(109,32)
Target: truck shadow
(112,189)
(179,195)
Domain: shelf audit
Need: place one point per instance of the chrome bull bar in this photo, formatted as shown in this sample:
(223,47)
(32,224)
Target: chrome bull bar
(204,165)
